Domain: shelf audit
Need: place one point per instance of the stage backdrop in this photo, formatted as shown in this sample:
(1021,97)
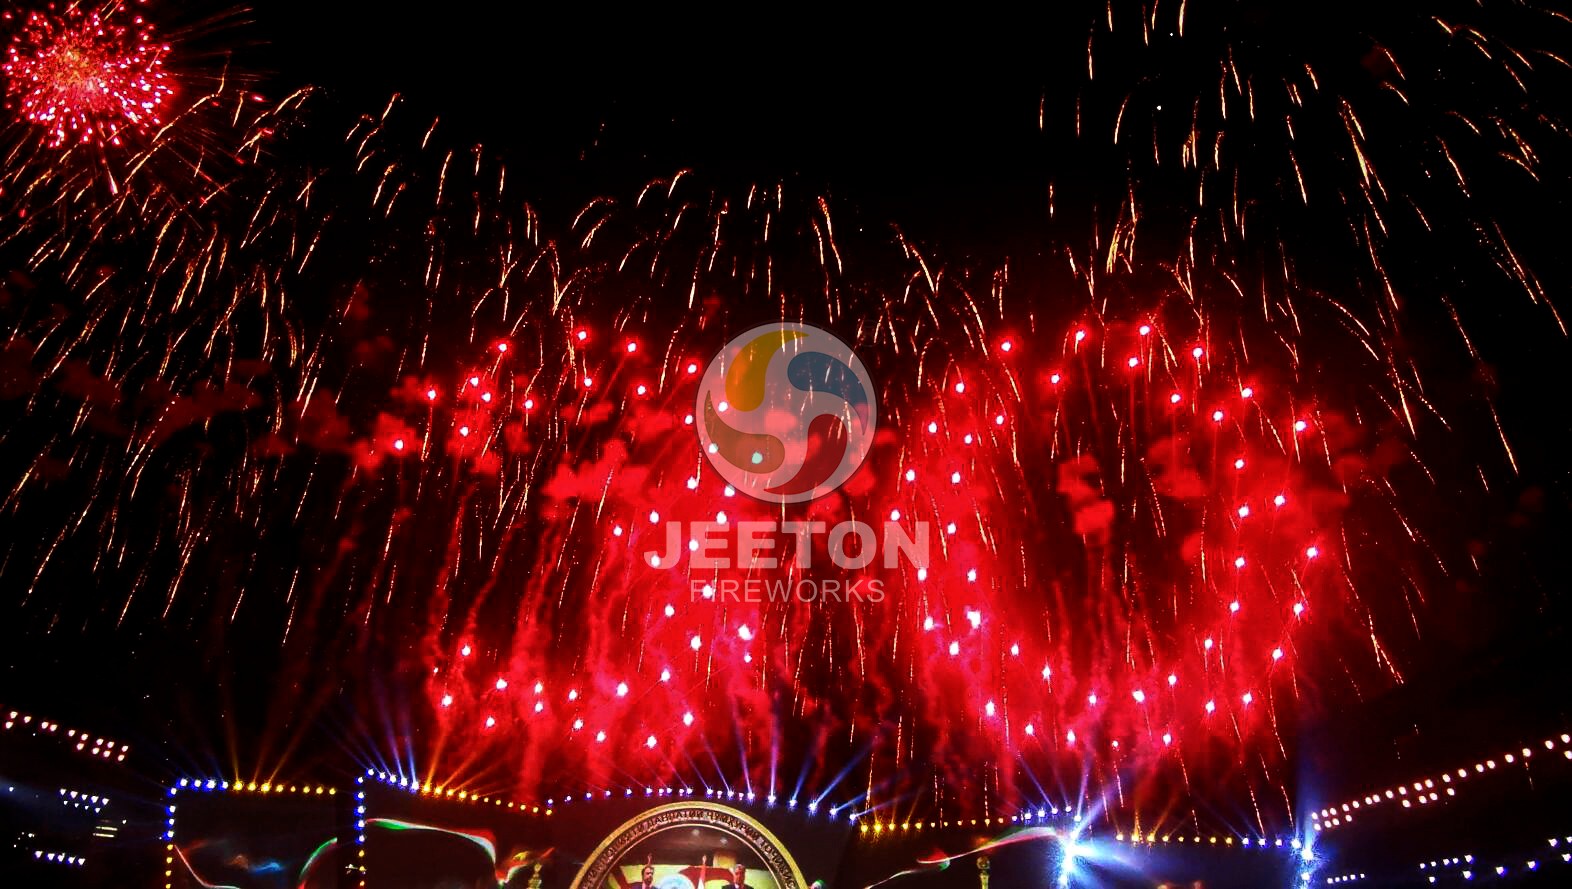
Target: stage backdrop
(284,839)
(438,841)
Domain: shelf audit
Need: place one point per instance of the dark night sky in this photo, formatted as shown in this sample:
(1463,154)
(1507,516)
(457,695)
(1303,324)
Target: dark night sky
(916,118)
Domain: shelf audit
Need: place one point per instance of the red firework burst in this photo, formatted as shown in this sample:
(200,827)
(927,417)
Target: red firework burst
(84,79)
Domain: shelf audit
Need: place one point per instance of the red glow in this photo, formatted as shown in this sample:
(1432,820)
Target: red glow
(690,642)
(86,78)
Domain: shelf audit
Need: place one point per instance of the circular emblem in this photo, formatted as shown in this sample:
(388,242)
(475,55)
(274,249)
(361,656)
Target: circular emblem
(693,844)
(786,412)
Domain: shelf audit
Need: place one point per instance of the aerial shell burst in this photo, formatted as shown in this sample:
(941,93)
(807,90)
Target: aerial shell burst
(122,151)
(87,77)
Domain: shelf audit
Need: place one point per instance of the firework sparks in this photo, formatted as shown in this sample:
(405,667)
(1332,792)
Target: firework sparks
(1153,498)
(83,78)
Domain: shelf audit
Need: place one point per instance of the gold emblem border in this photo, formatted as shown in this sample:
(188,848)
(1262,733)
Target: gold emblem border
(597,868)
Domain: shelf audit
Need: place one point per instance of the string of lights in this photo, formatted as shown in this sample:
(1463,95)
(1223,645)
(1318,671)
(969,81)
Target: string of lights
(80,740)
(84,801)
(457,794)
(60,858)
(1434,788)
(1467,867)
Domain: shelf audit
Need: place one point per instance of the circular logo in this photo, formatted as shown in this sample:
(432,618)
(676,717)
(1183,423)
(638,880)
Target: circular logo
(786,412)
